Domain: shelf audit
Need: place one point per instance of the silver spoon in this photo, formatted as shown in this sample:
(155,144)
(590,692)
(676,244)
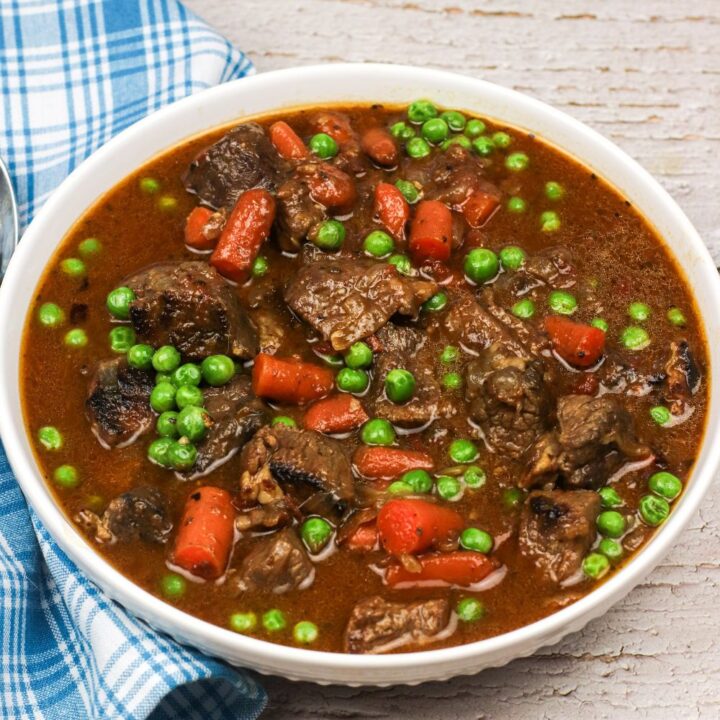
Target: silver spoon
(8,219)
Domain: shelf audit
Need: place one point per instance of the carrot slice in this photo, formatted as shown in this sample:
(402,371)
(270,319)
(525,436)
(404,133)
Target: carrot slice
(290,381)
(364,539)
(478,208)
(578,344)
(336,414)
(431,231)
(205,538)
(439,569)
(380,146)
(392,208)
(287,142)
(194,226)
(387,463)
(331,187)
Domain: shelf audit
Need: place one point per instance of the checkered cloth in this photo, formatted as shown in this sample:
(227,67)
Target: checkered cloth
(72,74)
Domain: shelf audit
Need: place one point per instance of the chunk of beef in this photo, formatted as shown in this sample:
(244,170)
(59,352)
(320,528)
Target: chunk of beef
(236,415)
(346,300)
(137,514)
(682,376)
(552,267)
(456,174)
(118,403)
(508,398)
(377,625)
(277,563)
(303,459)
(298,214)
(188,305)
(242,159)
(557,528)
(594,438)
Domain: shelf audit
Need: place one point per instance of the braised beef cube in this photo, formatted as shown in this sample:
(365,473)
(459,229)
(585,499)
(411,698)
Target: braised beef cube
(236,415)
(303,459)
(377,625)
(277,563)
(118,403)
(188,305)
(682,376)
(457,173)
(557,529)
(595,437)
(508,398)
(552,268)
(346,300)
(242,159)
(297,213)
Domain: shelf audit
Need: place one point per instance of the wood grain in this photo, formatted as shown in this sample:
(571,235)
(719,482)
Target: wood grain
(647,75)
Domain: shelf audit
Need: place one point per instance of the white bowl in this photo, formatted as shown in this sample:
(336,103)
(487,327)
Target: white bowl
(307,86)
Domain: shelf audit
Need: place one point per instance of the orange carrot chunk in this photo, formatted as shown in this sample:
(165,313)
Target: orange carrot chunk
(387,463)
(331,187)
(392,209)
(578,344)
(437,569)
(290,381)
(431,231)
(364,539)
(194,226)
(336,414)
(287,142)
(380,146)
(478,208)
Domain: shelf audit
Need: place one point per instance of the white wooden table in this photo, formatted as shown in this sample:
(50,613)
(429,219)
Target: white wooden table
(645,73)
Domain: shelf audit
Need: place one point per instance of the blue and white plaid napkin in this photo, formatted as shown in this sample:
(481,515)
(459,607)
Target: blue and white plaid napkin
(73,73)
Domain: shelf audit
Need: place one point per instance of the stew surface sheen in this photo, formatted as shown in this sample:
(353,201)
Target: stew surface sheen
(501,323)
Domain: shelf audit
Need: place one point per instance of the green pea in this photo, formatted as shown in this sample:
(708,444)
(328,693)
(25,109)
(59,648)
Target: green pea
(173,586)
(554,190)
(452,381)
(660,415)
(635,338)
(260,266)
(140,357)
(517,161)
(187,374)
(460,140)
(611,523)
(163,377)
(74,267)
(524,308)
(417,148)
(516,205)
(243,622)
(449,354)
(316,533)
(351,380)
(323,146)
(378,432)
(436,302)
(189,396)
(329,235)
(463,451)
(217,370)
(420,111)
(157,451)
(192,422)
(665,484)
(305,632)
(121,339)
(474,477)
(600,324)
(418,480)
(477,540)
(149,185)
(454,119)
(76,338)
(167,203)
(399,488)
(90,247)
(562,302)
(402,131)
(595,565)
(474,128)
(50,437)
(513,498)
(66,476)
(512,257)
(470,610)
(638,311)
(611,549)
(501,140)
(435,130)
(676,317)
(162,397)
(609,497)
(481,265)
(654,510)
(274,620)
(409,190)
(51,315)
(166,359)
(483,146)
(359,355)
(166,425)
(448,488)
(549,221)
(283,420)
(402,264)
(399,385)
(118,302)
(378,244)
(181,455)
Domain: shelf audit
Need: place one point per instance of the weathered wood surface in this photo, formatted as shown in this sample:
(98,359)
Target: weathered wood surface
(646,73)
